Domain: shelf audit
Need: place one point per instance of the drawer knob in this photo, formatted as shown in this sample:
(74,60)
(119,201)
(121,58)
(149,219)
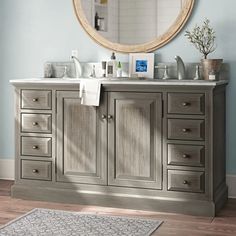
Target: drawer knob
(186,182)
(186,156)
(110,117)
(35,99)
(35,147)
(185,104)
(35,171)
(104,116)
(186,130)
(35,123)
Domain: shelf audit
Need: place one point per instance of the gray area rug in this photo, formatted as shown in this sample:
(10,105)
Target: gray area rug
(45,222)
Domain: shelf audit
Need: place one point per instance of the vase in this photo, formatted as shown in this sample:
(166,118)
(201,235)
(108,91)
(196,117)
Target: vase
(211,67)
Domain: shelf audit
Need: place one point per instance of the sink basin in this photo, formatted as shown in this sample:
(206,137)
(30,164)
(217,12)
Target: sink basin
(108,79)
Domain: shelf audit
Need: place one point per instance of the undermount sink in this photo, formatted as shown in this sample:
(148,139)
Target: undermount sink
(108,79)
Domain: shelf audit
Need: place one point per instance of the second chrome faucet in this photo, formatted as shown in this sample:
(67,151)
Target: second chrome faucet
(180,68)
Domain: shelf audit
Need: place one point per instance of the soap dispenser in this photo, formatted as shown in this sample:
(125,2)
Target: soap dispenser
(111,66)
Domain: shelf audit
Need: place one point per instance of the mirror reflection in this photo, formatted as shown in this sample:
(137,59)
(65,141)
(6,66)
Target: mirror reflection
(131,21)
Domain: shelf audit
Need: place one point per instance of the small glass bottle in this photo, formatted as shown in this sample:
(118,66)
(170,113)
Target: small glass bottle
(119,69)
(104,66)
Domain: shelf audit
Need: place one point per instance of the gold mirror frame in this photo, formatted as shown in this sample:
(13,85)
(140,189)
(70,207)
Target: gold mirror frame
(146,47)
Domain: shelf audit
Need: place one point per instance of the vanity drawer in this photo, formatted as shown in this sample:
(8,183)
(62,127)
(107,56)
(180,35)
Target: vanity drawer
(186,129)
(186,103)
(40,170)
(36,123)
(186,155)
(36,99)
(36,146)
(186,181)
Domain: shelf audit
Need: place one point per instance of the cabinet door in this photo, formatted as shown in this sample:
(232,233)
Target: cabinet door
(134,139)
(81,140)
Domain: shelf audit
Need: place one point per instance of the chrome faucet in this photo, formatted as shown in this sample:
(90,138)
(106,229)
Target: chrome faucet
(78,67)
(180,68)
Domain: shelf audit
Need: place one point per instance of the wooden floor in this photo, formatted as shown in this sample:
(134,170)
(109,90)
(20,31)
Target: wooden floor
(174,224)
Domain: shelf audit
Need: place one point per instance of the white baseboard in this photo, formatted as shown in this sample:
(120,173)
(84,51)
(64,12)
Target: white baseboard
(7,169)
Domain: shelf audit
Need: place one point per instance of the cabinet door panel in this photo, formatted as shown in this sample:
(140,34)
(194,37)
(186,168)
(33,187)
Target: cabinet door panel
(81,142)
(135,139)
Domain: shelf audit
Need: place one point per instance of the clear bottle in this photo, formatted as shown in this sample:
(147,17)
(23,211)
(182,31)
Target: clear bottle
(112,66)
(119,69)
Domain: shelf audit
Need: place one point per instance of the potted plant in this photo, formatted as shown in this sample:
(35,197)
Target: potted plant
(203,38)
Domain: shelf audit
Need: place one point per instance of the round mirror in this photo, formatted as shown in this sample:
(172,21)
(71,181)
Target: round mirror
(133,25)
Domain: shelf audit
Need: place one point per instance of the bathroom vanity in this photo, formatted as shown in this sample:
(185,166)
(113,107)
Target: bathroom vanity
(152,145)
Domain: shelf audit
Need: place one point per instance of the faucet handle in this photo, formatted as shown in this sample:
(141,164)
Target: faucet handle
(197,73)
(65,73)
(165,68)
(166,75)
(93,74)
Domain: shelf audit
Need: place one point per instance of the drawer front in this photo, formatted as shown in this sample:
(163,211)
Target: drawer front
(186,181)
(186,103)
(38,123)
(36,146)
(186,129)
(186,155)
(36,99)
(40,170)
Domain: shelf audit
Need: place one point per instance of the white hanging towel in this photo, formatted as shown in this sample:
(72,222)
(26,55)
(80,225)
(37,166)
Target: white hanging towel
(90,90)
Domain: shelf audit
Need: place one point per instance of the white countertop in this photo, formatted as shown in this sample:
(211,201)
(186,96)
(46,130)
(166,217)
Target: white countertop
(117,81)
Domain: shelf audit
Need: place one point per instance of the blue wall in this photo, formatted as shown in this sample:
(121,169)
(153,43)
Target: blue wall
(35,31)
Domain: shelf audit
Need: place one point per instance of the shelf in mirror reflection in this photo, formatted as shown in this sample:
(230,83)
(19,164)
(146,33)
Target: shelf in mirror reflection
(132,21)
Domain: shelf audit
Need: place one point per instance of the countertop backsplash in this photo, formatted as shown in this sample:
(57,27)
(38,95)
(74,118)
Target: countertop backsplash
(58,69)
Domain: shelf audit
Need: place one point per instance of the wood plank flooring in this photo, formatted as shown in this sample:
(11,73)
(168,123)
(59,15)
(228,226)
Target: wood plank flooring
(174,224)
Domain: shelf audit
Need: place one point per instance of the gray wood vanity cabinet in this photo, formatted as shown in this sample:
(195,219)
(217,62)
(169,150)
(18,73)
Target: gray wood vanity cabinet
(158,146)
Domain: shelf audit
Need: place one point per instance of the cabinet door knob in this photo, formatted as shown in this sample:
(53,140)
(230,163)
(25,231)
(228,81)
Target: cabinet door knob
(110,117)
(35,171)
(186,130)
(35,99)
(35,147)
(35,123)
(104,116)
(186,156)
(186,182)
(185,104)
